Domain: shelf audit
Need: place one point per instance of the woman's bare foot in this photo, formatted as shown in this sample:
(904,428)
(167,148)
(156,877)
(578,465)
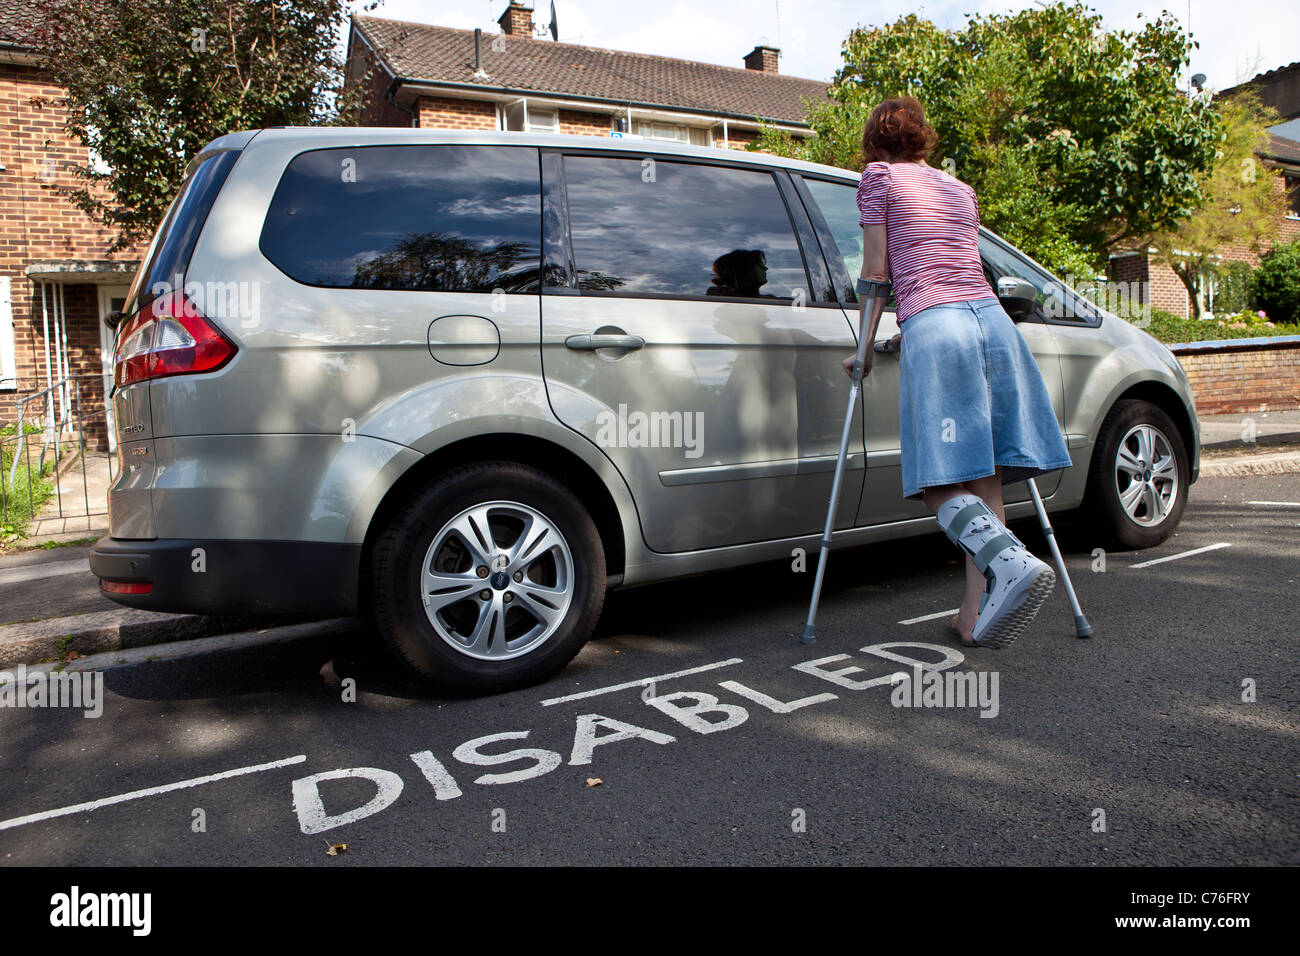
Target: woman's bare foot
(963,625)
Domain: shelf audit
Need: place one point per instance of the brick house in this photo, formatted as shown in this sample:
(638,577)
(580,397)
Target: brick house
(442,78)
(1280,89)
(57,279)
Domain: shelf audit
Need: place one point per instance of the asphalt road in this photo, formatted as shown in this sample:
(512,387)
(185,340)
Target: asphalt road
(1144,722)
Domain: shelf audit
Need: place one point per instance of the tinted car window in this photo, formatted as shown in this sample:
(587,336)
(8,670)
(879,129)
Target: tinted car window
(1056,300)
(680,229)
(174,244)
(437,218)
(838,203)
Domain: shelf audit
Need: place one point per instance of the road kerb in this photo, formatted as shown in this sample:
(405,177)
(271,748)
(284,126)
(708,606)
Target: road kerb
(113,630)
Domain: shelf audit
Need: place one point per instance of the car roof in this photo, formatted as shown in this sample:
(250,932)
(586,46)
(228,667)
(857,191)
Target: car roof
(327,137)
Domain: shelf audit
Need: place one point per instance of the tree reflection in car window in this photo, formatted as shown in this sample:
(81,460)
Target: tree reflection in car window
(436,218)
(644,225)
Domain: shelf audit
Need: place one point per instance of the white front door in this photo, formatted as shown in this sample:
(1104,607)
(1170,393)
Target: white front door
(111,299)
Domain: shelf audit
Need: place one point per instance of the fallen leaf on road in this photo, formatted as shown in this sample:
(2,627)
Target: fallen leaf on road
(336,849)
(594,781)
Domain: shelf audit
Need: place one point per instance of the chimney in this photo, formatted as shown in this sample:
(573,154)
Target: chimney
(763,59)
(517,21)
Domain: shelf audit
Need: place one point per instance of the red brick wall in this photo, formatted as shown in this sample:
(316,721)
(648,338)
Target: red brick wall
(736,138)
(440,112)
(377,109)
(37,223)
(1168,292)
(1133,268)
(583,123)
(1244,380)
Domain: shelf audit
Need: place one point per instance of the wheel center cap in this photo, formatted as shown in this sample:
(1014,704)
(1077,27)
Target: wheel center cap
(500,580)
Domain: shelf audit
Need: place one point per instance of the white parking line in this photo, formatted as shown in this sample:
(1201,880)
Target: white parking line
(930,617)
(34,572)
(1276,504)
(642,682)
(1185,554)
(149,792)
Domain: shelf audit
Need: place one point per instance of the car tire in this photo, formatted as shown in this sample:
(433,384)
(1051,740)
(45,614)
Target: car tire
(455,627)
(1138,478)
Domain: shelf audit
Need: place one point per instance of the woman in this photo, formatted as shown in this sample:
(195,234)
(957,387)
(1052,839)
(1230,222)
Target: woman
(973,410)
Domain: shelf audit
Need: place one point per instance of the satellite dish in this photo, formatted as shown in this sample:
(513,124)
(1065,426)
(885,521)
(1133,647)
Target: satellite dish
(555,27)
(1198,80)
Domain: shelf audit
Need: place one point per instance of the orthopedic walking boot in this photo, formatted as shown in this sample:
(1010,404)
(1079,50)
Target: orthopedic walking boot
(1018,583)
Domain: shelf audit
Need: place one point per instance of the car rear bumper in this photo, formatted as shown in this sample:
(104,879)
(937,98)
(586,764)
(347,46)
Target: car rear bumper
(229,576)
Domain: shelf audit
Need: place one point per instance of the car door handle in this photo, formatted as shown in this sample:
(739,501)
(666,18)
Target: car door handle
(589,342)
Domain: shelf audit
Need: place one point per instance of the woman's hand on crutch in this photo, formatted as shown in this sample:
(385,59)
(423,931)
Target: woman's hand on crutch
(866,364)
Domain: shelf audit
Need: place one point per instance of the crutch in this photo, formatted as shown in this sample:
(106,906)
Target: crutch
(874,294)
(1081,626)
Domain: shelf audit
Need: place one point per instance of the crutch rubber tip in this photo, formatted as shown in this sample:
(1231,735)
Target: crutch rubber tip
(808,636)
(1081,626)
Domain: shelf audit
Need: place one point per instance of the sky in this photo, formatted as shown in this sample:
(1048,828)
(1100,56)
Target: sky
(1238,38)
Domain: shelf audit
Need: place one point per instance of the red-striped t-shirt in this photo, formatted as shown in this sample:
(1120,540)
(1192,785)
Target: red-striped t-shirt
(932,223)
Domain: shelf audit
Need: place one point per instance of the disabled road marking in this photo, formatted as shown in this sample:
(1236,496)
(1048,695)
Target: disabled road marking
(643,682)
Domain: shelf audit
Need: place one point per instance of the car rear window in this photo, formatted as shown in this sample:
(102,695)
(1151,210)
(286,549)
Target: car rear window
(174,243)
(434,218)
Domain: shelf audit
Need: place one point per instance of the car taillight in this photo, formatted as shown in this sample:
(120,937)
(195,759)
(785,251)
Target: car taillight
(124,587)
(168,337)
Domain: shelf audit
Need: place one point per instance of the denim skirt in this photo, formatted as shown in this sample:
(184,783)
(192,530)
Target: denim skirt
(971,398)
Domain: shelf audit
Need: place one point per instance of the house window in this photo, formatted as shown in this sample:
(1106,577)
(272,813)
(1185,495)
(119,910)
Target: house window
(8,356)
(543,121)
(672,133)
(532,120)
(1293,195)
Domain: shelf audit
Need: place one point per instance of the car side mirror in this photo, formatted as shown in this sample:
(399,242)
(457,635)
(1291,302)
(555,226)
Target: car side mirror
(1018,297)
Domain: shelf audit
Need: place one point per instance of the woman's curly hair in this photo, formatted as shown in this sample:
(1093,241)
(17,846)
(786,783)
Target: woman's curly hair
(896,129)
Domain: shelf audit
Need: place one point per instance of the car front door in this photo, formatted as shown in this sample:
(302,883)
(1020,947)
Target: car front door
(833,206)
(1001,262)
(882,498)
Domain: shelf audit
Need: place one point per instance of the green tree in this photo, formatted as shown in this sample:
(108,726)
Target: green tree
(1277,283)
(1243,203)
(1075,137)
(150,82)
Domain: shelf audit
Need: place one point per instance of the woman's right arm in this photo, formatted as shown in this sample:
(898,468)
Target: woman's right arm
(875,268)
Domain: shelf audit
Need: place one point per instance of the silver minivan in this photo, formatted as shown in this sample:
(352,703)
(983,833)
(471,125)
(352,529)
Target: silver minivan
(463,383)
